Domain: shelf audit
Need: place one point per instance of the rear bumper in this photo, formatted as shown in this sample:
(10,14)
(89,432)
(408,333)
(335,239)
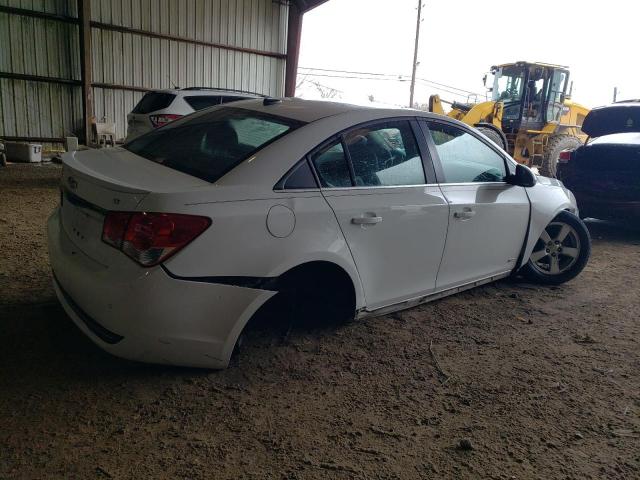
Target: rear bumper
(146,315)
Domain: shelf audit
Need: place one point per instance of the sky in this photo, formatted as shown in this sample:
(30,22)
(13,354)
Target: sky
(459,41)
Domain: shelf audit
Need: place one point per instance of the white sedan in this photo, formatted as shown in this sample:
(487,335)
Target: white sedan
(164,249)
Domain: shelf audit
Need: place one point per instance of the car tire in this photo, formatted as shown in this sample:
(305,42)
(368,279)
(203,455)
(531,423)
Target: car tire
(494,136)
(555,145)
(561,252)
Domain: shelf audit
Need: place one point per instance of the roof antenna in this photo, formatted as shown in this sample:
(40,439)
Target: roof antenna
(173,83)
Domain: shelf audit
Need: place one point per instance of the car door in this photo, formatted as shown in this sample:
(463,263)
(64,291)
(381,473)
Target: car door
(488,218)
(393,218)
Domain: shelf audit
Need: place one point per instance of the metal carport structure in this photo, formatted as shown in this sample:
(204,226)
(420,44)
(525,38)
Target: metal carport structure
(66,62)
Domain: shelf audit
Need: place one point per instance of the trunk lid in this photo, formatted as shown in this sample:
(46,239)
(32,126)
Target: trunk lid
(616,118)
(114,179)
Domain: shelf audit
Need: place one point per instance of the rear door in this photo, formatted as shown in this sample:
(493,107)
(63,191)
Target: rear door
(488,219)
(392,215)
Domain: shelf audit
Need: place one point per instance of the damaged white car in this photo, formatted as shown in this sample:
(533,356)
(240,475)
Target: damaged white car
(164,249)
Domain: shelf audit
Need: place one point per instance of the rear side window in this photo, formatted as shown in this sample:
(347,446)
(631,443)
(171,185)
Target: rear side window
(202,101)
(209,144)
(299,177)
(331,165)
(153,101)
(385,154)
(233,99)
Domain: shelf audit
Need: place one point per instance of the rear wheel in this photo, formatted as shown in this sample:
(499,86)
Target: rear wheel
(555,145)
(561,252)
(492,135)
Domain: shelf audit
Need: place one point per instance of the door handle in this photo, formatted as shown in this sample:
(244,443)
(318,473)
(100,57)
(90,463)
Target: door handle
(465,214)
(366,220)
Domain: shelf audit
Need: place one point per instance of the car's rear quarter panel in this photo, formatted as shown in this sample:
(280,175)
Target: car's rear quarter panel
(239,243)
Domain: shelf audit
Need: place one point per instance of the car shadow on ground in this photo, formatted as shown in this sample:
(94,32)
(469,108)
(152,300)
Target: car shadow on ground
(42,344)
(614,231)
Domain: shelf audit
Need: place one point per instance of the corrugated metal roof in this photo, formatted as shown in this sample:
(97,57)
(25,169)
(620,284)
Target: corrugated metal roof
(306,5)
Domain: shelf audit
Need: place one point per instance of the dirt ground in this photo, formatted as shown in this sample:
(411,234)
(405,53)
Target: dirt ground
(539,382)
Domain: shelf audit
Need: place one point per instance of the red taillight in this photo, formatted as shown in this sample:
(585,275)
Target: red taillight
(163,119)
(113,228)
(151,238)
(565,156)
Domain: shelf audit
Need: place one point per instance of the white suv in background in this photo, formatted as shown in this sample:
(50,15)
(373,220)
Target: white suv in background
(159,107)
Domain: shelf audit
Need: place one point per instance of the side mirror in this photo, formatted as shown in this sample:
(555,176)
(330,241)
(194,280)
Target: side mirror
(523,177)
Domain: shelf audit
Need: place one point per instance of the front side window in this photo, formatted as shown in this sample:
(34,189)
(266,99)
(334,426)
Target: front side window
(465,158)
(209,144)
(385,154)
(508,84)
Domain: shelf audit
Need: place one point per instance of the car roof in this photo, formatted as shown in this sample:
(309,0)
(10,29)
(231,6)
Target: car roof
(196,91)
(312,110)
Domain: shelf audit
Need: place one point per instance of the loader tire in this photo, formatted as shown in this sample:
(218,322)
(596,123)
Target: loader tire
(555,145)
(492,135)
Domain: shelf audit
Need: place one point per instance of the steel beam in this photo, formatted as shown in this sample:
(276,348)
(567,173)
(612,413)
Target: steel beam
(34,14)
(294,32)
(84,15)
(32,139)
(145,33)
(39,78)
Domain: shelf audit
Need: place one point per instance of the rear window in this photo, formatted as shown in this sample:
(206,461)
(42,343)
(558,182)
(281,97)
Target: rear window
(233,99)
(203,101)
(153,101)
(209,144)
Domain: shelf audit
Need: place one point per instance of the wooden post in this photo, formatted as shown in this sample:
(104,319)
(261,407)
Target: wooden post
(84,17)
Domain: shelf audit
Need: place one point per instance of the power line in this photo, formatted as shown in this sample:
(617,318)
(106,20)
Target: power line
(355,77)
(426,82)
(396,76)
(350,71)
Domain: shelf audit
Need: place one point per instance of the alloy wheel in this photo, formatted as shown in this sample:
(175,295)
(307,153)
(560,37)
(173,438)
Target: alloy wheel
(557,249)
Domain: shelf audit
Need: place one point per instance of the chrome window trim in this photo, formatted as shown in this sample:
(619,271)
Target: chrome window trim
(441,185)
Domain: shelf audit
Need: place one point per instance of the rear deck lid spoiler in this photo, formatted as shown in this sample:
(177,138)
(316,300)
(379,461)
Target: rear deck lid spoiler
(616,118)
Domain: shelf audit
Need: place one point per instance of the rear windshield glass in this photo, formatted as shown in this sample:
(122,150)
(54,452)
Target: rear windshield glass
(209,144)
(153,101)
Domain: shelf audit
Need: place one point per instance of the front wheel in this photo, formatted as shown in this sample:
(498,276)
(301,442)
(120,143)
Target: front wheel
(561,252)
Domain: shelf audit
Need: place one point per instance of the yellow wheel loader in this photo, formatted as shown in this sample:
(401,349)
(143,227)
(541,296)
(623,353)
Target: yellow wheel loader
(530,114)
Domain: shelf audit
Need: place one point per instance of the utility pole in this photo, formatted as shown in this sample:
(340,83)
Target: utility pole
(415,55)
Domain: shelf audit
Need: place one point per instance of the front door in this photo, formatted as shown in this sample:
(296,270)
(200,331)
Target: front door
(395,224)
(488,219)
